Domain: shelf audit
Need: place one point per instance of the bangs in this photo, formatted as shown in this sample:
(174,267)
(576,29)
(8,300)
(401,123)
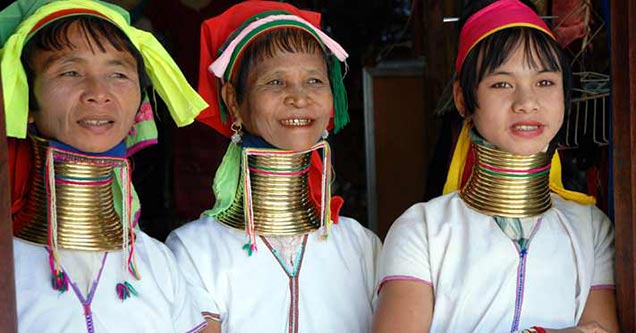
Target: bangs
(539,54)
(288,40)
(96,31)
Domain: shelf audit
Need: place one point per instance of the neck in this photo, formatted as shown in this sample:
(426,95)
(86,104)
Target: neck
(70,203)
(508,185)
(279,198)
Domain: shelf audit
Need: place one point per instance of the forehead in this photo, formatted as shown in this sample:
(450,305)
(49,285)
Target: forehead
(281,60)
(78,45)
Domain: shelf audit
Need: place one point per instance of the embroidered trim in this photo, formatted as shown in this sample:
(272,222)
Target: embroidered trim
(402,278)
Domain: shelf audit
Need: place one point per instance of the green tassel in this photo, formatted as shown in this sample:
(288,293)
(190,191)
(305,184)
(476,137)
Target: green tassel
(340,103)
(131,288)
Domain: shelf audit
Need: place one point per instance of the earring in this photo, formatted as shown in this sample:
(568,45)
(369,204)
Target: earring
(325,134)
(237,128)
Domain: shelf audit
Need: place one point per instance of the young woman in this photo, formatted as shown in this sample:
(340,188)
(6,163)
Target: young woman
(507,249)
(267,258)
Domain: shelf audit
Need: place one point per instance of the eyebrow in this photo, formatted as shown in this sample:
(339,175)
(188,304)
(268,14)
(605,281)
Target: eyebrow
(545,70)
(75,59)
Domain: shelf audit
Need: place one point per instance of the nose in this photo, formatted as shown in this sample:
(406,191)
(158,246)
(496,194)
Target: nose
(96,90)
(297,96)
(526,100)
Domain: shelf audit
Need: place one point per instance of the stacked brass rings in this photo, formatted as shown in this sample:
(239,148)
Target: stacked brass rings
(508,185)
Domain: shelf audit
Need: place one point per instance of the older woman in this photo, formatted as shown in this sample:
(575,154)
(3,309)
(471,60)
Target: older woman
(266,258)
(76,72)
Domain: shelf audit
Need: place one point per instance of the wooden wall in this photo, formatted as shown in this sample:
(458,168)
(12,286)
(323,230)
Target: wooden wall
(623,52)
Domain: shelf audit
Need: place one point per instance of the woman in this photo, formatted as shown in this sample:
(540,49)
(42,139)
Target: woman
(74,76)
(507,249)
(266,258)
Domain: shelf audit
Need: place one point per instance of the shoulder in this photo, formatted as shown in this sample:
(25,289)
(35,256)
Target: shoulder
(348,230)
(579,215)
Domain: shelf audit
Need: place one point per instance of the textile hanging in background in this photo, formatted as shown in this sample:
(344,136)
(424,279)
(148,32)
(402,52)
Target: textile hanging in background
(572,22)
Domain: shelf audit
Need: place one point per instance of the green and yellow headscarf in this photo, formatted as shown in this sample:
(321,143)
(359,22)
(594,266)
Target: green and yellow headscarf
(23,18)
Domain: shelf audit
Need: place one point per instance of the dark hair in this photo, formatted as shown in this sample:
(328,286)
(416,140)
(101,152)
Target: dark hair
(291,40)
(54,37)
(494,50)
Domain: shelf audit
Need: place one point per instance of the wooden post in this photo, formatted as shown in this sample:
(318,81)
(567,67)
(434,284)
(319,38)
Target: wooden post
(623,16)
(8,323)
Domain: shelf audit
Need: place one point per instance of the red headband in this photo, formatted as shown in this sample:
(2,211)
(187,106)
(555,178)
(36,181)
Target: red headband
(499,15)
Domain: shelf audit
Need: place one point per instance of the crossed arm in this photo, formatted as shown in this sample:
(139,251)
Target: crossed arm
(407,307)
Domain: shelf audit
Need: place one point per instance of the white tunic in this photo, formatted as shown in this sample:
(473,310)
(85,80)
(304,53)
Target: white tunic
(482,282)
(163,304)
(329,290)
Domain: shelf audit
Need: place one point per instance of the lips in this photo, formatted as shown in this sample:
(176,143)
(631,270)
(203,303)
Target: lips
(528,129)
(296,122)
(94,122)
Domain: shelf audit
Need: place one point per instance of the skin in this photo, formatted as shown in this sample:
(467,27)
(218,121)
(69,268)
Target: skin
(287,102)
(87,98)
(520,111)
(213,327)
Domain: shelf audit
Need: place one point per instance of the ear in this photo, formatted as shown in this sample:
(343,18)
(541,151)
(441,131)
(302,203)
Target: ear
(458,97)
(228,93)
(31,118)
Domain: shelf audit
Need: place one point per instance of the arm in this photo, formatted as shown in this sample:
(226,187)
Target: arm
(405,307)
(212,327)
(601,308)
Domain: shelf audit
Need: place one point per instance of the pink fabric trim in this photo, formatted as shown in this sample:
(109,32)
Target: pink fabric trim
(490,167)
(219,66)
(603,287)
(144,113)
(497,16)
(198,327)
(402,278)
(71,182)
(294,173)
(140,145)
(211,316)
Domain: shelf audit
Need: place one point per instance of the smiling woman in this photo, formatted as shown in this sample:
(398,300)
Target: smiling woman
(275,229)
(541,258)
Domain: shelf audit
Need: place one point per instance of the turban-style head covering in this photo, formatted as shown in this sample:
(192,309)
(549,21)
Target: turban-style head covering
(224,38)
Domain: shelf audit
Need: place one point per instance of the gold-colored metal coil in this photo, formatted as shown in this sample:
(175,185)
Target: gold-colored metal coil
(498,194)
(86,217)
(281,203)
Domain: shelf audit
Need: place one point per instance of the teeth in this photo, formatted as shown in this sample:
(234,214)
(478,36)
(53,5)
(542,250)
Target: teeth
(296,122)
(95,122)
(527,127)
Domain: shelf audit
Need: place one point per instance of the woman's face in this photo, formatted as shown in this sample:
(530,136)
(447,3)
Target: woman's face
(288,100)
(520,109)
(87,98)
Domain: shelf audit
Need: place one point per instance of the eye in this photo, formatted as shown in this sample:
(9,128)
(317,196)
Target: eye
(545,83)
(119,75)
(275,82)
(314,81)
(70,73)
(501,85)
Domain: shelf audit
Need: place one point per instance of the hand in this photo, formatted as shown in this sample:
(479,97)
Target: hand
(591,327)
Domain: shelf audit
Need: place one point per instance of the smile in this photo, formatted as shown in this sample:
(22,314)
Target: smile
(93,122)
(296,122)
(527,128)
